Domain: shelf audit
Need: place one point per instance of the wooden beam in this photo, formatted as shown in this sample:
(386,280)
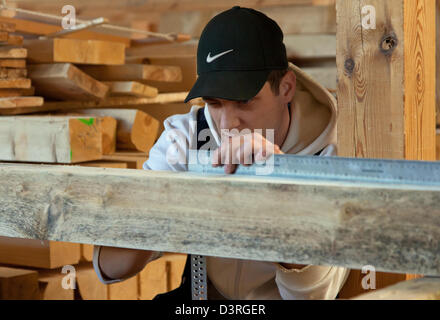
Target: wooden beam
(164,5)
(135,72)
(131,88)
(107,207)
(64,81)
(18,284)
(39,28)
(13,63)
(133,159)
(19,103)
(19,83)
(115,102)
(292,19)
(51,139)
(75,51)
(386,84)
(11,93)
(9,73)
(38,254)
(50,284)
(13,53)
(136,130)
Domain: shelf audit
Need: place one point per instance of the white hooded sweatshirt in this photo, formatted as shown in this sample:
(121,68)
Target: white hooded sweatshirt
(312,129)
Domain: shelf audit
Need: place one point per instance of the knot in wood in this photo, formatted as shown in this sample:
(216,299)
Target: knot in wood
(349,65)
(388,44)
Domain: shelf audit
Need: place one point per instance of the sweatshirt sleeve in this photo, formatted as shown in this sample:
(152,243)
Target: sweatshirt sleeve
(168,153)
(311,282)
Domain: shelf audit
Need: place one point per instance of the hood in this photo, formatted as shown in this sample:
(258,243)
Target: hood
(313,117)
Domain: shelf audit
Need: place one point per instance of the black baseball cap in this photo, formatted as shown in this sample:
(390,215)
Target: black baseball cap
(237,50)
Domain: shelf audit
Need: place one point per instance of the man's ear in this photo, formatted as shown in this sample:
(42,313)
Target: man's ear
(288,86)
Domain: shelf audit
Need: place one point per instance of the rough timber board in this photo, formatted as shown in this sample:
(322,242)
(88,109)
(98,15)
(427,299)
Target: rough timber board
(393,227)
(115,102)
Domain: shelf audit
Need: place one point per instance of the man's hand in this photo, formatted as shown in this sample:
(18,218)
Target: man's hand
(243,149)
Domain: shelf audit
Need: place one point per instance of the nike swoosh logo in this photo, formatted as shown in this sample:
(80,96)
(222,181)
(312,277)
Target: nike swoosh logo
(209,59)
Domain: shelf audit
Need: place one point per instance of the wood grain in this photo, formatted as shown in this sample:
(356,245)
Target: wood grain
(386,87)
(420,64)
(393,227)
(64,81)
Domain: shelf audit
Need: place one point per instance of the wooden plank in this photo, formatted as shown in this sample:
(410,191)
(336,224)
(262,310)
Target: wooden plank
(8,73)
(86,249)
(105,164)
(355,213)
(188,67)
(115,102)
(13,104)
(13,53)
(50,284)
(396,95)
(133,159)
(39,28)
(98,6)
(20,83)
(418,289)
(4,36)
(51,139)
(172,50)
(64,81)
(131,88)
(437,60)
(420,65)
(8,27)
(135,72)
(136,130)
(75,51)
(15,40)
(38,254)
(7,93)
(291,19)
(13,63)
(18,284)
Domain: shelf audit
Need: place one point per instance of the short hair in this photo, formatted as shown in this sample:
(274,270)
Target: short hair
(274,80)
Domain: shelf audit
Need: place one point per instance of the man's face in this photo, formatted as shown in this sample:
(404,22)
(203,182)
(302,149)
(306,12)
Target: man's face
(265,111)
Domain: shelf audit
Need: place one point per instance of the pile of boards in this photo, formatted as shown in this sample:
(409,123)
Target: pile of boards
(91,109)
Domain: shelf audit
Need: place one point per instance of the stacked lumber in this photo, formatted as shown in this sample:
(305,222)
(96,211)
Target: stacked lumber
(15,86)
(89,117)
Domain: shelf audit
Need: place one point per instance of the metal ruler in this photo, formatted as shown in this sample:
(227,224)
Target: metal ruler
(421,173)
(332,168)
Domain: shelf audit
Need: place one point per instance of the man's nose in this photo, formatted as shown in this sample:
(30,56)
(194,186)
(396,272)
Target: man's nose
(229,119)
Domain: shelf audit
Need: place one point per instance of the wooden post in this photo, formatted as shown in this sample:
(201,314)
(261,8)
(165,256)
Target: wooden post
(386,87)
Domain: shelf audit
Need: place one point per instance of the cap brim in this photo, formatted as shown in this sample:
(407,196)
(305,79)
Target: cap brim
(229,85)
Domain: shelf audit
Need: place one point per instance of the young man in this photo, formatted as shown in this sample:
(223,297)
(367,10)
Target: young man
(247,84)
